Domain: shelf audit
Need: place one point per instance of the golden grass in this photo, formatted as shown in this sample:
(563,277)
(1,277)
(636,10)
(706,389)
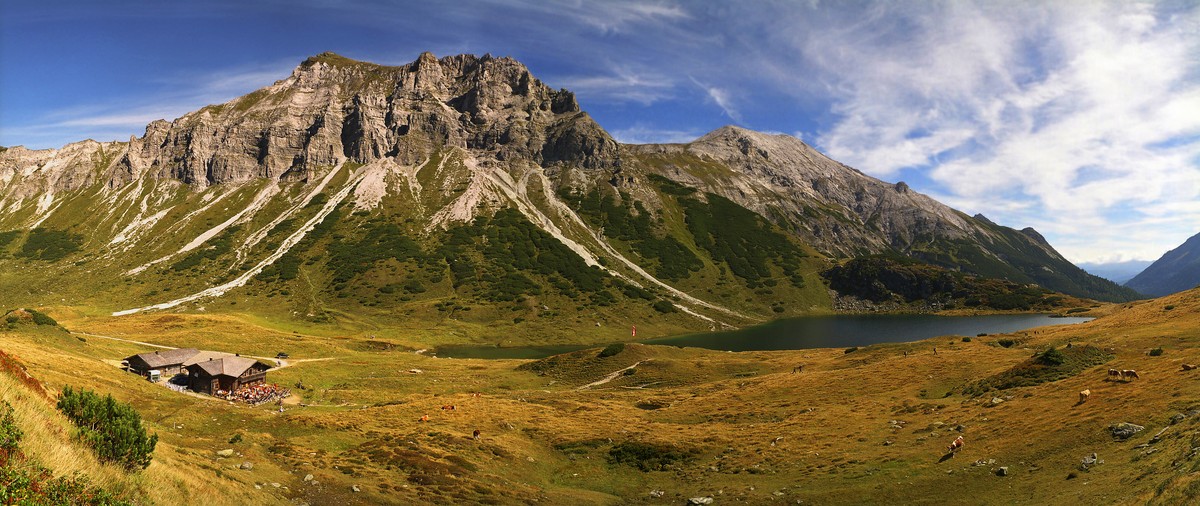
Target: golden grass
(757,431)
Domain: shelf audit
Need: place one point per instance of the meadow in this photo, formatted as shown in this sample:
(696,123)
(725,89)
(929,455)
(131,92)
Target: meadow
(642,424)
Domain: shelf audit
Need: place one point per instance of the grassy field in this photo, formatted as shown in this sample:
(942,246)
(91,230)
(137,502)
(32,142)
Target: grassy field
(868,426)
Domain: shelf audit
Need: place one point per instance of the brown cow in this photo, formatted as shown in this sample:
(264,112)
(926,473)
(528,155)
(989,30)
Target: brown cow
(1114,372)
(1188,367)
(956,445)
(1130,373)
(1083,395)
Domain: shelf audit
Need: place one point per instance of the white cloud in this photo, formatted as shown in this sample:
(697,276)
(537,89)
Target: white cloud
(621,84)
(1073,110)
(642,133)
(119,118)
(721,97)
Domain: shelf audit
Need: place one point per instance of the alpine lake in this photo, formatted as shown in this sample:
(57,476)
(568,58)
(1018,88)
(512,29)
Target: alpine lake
(834,331)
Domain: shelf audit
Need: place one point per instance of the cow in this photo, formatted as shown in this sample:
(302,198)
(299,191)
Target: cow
(475,435)
(1130,373)
(956,445)
(1114,372)
(1083,395)
(1188,367)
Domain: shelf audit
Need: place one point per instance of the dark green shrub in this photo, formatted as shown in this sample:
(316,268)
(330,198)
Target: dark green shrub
(1052,357)
(50,245)
(114,430)
(612,349)
(851,349)
(40,318)
(1169,307)
(966,339)
(646,457)
(664,306)
(1007,343)
(1156,352)
(10,434)
(237,438)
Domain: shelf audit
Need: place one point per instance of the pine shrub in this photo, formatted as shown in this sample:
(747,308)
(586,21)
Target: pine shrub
(114,430)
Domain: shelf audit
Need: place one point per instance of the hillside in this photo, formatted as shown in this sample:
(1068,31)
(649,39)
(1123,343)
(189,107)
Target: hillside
(1177,270)
(587,428)
(463,199)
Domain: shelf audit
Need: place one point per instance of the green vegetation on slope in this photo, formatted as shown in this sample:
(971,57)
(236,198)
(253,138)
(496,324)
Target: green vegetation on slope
(49,245)
(632,224)
(1051,365)
(1015,256)
(26,482)
(899,279)
(113,429)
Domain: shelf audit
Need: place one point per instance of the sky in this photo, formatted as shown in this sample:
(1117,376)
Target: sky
(1079,118)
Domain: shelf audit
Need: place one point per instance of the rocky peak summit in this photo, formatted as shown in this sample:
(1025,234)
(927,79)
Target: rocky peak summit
(333,109)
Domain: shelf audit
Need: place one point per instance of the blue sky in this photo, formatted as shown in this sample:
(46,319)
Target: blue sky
(1079,118)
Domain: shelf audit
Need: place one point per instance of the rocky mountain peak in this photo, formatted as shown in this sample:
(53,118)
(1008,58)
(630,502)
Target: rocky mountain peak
(333,108)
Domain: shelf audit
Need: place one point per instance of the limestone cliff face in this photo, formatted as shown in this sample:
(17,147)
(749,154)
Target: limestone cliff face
(333,109)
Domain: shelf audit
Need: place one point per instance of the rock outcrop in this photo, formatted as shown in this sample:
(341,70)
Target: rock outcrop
(334,109)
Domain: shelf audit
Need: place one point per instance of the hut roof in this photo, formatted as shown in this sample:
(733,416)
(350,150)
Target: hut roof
(205,356)
(228,366)
(166,357)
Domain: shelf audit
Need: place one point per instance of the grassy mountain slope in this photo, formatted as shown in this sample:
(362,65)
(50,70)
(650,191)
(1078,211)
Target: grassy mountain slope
(1177,270)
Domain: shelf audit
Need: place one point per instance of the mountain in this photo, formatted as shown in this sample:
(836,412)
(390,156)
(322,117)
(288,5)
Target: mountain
(1117,272)
(462,196)
(1176,271)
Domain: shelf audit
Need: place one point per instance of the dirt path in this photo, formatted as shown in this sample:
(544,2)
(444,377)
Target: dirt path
(611,376)
(152,345)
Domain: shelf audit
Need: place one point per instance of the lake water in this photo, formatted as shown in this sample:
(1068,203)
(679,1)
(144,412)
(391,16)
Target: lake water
(836,331)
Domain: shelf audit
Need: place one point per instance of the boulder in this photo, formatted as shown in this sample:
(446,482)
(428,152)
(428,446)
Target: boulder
(308,477)
(1124,430)
(228,452)
(699,500)
(246,466)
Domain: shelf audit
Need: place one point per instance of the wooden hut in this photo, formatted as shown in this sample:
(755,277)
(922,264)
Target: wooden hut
(167,362)
(226,374)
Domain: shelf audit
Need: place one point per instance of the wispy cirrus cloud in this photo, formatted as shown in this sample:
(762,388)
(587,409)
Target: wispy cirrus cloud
(118,118)
(621,83)
(643,133)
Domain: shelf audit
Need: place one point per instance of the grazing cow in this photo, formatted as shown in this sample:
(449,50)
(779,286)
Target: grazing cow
(956,445)
(1083,395)
(1130,373)
(475,435)
(1188,367)
(1114,372)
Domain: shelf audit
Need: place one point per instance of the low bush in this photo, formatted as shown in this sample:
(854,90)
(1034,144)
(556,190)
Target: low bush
(1157,352)
(647,457)
(851,349)
(612,349)
(664,306)
(114,430)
